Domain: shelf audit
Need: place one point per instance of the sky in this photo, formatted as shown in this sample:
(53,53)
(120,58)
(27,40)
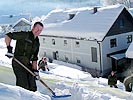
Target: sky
(63,79)
(40,7)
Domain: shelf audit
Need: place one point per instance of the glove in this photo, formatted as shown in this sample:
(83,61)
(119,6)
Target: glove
(36,72)
(9,52)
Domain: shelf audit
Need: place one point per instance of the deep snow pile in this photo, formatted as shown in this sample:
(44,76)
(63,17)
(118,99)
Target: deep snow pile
(8,92)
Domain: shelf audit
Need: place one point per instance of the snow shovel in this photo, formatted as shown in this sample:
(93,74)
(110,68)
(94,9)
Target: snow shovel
(54,95)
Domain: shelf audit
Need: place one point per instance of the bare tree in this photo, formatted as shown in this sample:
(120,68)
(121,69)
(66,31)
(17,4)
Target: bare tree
(109,2)
(113,2)
(125,2)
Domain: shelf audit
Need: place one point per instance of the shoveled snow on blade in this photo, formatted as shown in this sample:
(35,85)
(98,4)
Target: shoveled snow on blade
(61,94)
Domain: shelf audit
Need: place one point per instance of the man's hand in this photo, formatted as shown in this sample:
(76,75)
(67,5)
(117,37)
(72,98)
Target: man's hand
(9,52)
(36,72)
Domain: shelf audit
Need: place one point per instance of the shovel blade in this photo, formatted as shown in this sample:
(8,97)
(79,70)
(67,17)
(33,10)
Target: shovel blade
(60,97)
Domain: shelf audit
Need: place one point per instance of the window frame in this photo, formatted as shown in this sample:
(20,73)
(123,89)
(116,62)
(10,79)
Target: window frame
(121,23)
(65,42)
(113,43)
(43,40)
(129,38)
(78,60)
(77,44)
(53,41)
(94,57)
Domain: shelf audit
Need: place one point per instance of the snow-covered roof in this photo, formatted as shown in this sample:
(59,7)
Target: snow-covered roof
(22,20)
(131,11)
(11,19)
(56,16)
(129,52)
(85,23)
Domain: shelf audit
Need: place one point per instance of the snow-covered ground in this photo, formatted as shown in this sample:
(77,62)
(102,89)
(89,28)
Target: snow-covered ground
(62,79)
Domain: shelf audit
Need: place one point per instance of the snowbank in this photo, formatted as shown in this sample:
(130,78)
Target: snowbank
(8,92)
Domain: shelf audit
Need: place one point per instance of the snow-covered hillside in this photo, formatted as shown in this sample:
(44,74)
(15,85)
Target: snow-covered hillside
(61,79)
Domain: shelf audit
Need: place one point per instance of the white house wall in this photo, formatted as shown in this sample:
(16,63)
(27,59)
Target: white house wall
(106,49)
(82,53)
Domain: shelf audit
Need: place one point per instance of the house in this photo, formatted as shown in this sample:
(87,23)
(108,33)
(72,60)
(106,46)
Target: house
(22,25)
(7,21)
(94,38)
(11,19)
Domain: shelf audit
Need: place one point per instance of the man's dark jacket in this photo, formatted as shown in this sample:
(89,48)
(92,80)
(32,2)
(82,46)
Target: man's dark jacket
(26,45)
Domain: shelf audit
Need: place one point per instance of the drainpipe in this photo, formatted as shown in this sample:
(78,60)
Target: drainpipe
(101,68)
(72,49)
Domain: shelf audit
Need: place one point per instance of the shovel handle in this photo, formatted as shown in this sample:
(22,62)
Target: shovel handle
(34,75)
(47,87)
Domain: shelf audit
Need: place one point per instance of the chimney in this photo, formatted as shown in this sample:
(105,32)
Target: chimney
(94,10)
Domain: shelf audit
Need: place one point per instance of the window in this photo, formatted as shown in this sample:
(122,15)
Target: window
(65,42)
(53,41)
(56,55)
(66,59)
(113,43)
(121,23)
(77,44)
(129,38)
(78,60)
(71,16)
(94,54)
(43,40)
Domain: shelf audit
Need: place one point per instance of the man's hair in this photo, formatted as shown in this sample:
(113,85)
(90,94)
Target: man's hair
(38,23)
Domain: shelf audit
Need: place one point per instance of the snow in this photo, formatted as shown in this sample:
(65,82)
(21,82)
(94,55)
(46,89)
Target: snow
(85,23)
(63,79)
(129,52)
(22,19)
(10,19)
(8,92)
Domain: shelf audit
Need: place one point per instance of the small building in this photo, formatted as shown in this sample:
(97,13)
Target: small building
(22,25)
(11,19)
(94,38)
(7,21)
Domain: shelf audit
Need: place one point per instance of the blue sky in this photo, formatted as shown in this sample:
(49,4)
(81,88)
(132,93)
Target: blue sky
(39,7)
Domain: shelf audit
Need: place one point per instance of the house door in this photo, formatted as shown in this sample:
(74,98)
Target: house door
(55,55)
(114,64)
